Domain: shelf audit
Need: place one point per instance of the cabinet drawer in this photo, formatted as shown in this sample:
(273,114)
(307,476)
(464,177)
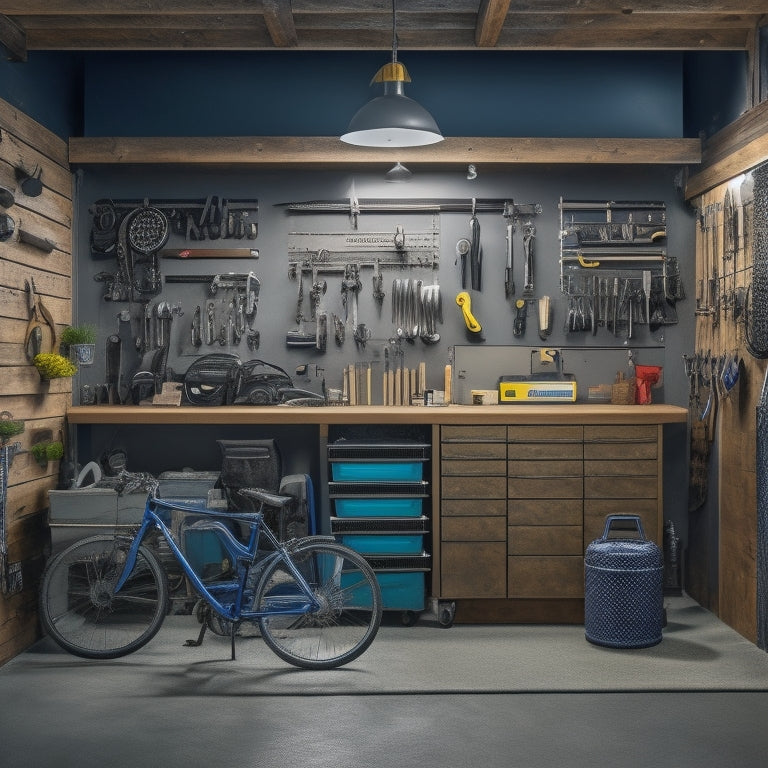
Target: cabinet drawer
(544,512)
(621,433)
(545,540)
(545,434)
(545,488)
(473,529)
(596,510)
(615,468)
(468,467)
(474,450)
(621,487)
(545,469)
(553,451)
(474,433)
(620,451)
(473,487)
(492,507)
(545,577)
(473,569)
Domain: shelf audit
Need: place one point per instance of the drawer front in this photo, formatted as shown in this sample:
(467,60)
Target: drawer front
(455,467)
(627,433)
(473,487)
(545,434)
(470,569)
(554,451)
(545,540)
(474,433)
(544,512)
(492,507)
(473,451)
(545,469)
(621,487)
(545,577)
(613,468)
(620,451)
(473,529)
(596,510)
(545,488)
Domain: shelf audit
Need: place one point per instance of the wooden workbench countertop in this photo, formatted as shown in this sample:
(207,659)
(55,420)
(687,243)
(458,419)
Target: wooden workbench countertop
(378,414)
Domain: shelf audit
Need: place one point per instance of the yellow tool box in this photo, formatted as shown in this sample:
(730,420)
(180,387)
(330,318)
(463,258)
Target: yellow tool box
(537,391)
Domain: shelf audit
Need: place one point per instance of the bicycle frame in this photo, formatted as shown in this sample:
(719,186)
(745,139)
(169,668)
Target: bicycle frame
(242,555)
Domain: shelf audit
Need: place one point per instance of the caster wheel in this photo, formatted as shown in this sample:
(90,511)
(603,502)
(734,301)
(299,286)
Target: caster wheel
(409,618)
(445,614)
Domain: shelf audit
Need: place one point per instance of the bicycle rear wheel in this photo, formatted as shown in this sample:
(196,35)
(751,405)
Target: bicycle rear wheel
(349,612)
(81,612)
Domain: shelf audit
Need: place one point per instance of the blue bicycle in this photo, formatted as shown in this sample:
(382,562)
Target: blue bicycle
(317,603)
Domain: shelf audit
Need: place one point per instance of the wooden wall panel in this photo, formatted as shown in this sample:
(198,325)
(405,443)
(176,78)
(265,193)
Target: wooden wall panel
(42,406)
(731,513)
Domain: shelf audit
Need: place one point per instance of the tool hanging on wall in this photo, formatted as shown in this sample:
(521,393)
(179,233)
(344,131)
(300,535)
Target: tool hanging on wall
(529,238)
(39,317)
(10,573)
(518,327)
(475,251)
(509,279)
(464,301)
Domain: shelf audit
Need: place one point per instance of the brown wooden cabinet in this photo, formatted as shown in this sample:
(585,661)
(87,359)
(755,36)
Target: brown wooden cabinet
(519,504)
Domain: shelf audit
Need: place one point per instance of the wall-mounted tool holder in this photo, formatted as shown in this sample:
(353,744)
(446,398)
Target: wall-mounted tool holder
(615,271)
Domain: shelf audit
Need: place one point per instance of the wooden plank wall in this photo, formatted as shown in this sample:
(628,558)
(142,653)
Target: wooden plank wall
(24,143)
(735,595)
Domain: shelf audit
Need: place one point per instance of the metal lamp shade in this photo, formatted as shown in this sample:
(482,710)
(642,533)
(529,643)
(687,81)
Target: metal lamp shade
(392,120)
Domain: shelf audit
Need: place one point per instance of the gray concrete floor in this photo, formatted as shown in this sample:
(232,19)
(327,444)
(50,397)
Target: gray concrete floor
(60,712)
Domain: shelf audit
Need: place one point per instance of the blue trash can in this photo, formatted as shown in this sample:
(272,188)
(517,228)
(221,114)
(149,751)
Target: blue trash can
(623,589)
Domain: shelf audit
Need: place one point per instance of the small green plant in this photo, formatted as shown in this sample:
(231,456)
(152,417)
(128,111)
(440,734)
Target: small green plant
(9,427)
(47,451)
(53,366)
(77,334)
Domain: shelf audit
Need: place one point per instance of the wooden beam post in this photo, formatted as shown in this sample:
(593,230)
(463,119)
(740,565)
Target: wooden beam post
(13,38)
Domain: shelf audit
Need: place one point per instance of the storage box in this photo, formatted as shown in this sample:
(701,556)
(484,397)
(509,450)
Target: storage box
(405,471)
(377,507)
(186,485)
(402,591)
(384,543)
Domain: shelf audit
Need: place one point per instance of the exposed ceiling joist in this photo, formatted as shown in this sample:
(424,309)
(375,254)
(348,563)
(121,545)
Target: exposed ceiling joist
(13,39)
(363,24)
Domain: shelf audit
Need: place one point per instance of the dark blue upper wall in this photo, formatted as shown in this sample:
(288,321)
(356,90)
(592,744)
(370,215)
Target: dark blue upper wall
(48,87)
(493,93)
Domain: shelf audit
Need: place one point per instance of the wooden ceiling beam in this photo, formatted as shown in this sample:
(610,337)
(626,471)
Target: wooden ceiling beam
(13,38)
(490,21)
(278,16)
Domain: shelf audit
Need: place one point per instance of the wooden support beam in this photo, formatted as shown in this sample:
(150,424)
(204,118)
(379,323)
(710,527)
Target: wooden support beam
(329,152)
(490,21)
(13,38)
(278,16)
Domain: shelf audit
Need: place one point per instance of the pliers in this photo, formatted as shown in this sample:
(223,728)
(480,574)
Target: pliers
(39,316)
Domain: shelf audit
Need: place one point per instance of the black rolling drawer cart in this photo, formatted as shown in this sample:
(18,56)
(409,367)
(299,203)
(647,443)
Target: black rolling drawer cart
(378,490)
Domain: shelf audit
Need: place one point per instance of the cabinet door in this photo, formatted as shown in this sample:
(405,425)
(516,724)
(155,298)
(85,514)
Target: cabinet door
(623,475)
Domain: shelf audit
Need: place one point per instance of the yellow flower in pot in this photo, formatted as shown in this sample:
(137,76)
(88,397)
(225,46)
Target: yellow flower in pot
(53,366)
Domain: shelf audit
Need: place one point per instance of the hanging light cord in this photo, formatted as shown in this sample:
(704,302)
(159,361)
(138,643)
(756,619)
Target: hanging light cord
(394,33)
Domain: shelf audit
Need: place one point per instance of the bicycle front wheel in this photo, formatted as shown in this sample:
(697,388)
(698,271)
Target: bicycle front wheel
(349,606)
(80,610)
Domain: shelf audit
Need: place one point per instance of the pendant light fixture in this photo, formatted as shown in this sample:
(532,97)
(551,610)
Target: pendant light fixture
(392,120)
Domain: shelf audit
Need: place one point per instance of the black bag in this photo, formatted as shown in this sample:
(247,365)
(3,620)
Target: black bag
(213,379)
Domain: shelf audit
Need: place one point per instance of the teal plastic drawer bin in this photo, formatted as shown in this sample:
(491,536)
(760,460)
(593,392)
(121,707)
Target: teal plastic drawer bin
(346,471)
(384,543)
(374,507)
(402,591)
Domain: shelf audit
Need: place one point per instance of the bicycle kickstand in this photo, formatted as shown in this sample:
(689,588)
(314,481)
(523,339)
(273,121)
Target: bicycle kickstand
(199,641)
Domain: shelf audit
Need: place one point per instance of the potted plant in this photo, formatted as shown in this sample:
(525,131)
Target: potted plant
(78,342)
(52,366)
(9,427)
(47,450)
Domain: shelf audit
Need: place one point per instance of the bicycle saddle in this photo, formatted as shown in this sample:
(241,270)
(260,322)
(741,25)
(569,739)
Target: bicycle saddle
(270,499)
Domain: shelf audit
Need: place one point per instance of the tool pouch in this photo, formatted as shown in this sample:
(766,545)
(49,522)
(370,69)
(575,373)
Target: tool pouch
(262,383)
(213,380)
